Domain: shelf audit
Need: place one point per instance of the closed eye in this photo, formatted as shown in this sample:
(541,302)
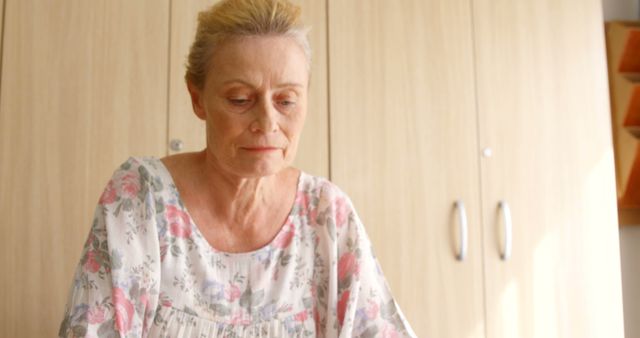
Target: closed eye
(287,103)
(239,101)
(286,100)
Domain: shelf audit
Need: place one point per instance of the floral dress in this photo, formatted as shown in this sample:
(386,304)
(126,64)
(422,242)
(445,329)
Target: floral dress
(147,271)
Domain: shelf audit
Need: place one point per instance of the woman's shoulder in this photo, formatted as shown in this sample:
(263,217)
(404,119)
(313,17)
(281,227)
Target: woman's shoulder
(143,166)
(133,179)
(319,186)
(324,200)
(321,189)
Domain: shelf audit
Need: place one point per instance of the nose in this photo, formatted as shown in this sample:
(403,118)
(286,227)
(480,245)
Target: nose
(265,118)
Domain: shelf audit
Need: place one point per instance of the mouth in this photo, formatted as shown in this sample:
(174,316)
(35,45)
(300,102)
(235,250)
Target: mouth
(260,149)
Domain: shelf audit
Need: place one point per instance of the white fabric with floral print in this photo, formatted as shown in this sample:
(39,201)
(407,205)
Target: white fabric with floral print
(147,271)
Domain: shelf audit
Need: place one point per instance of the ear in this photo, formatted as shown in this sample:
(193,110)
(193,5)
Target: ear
(196,100)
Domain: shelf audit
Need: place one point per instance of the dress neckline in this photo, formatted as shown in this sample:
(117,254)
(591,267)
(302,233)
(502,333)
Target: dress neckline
(199,236)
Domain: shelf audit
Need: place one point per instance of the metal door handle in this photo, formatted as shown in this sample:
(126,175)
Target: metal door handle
(464,235)
(508,230)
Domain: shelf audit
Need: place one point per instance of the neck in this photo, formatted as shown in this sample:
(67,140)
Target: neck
(237,201)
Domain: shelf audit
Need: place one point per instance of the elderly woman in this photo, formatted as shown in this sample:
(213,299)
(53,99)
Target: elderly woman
(232,241)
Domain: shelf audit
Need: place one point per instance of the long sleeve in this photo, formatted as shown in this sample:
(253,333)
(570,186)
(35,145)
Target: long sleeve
(366,307)
(115,288)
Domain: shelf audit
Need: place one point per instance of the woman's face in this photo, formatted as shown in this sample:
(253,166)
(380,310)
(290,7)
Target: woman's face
(254,102)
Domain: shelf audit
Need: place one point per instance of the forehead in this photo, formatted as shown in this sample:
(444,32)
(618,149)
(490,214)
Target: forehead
(259,60)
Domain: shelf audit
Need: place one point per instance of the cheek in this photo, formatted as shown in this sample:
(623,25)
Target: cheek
(292,128)
(225,124)
(296,121)
(301,120)
(224,131)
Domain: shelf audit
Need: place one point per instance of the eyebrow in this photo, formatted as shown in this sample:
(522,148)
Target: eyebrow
(289,84)
(281,85)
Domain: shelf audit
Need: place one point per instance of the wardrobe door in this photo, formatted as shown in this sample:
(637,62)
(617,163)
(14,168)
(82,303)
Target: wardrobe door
(83,87)
(544,111)
(404,147)
(1,25)
(187,132)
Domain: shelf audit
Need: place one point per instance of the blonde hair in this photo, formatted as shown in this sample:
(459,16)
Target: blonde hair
(236,18)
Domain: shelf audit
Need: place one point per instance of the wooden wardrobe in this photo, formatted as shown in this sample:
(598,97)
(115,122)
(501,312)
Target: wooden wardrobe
(498,106)
(428,113)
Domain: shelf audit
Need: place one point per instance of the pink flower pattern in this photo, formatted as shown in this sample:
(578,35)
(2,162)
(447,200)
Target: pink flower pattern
(372,309)
(389,332)
(130,184)
(96,315)
(146,269)
(92,265)
(123,309)
(306,210)
(178,222)
(347,266)
(283,239)
(342,211)
(232,292)
(109,195)
(342,306)
(301,316)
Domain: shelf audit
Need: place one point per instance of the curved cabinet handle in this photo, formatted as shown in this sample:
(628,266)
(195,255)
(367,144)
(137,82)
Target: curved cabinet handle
(464,235)
(508,229)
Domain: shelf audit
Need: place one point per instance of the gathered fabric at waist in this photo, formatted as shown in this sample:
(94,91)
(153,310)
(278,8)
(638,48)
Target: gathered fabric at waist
(174,323)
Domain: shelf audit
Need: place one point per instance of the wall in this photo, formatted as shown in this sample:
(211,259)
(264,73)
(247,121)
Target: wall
(621,9)
(629,236)
(630,256)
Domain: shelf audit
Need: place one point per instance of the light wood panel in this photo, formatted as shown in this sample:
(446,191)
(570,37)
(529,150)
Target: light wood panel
(1,24)
(83,87)
(183,123)
(544,110)
(313,151)
(403,146)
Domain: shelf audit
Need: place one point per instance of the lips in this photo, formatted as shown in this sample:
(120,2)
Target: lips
(260,148)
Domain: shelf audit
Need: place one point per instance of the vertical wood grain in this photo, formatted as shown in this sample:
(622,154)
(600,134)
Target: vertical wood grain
(183,125)
(84,87)
(544,110)
(1,28)
(403,146)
